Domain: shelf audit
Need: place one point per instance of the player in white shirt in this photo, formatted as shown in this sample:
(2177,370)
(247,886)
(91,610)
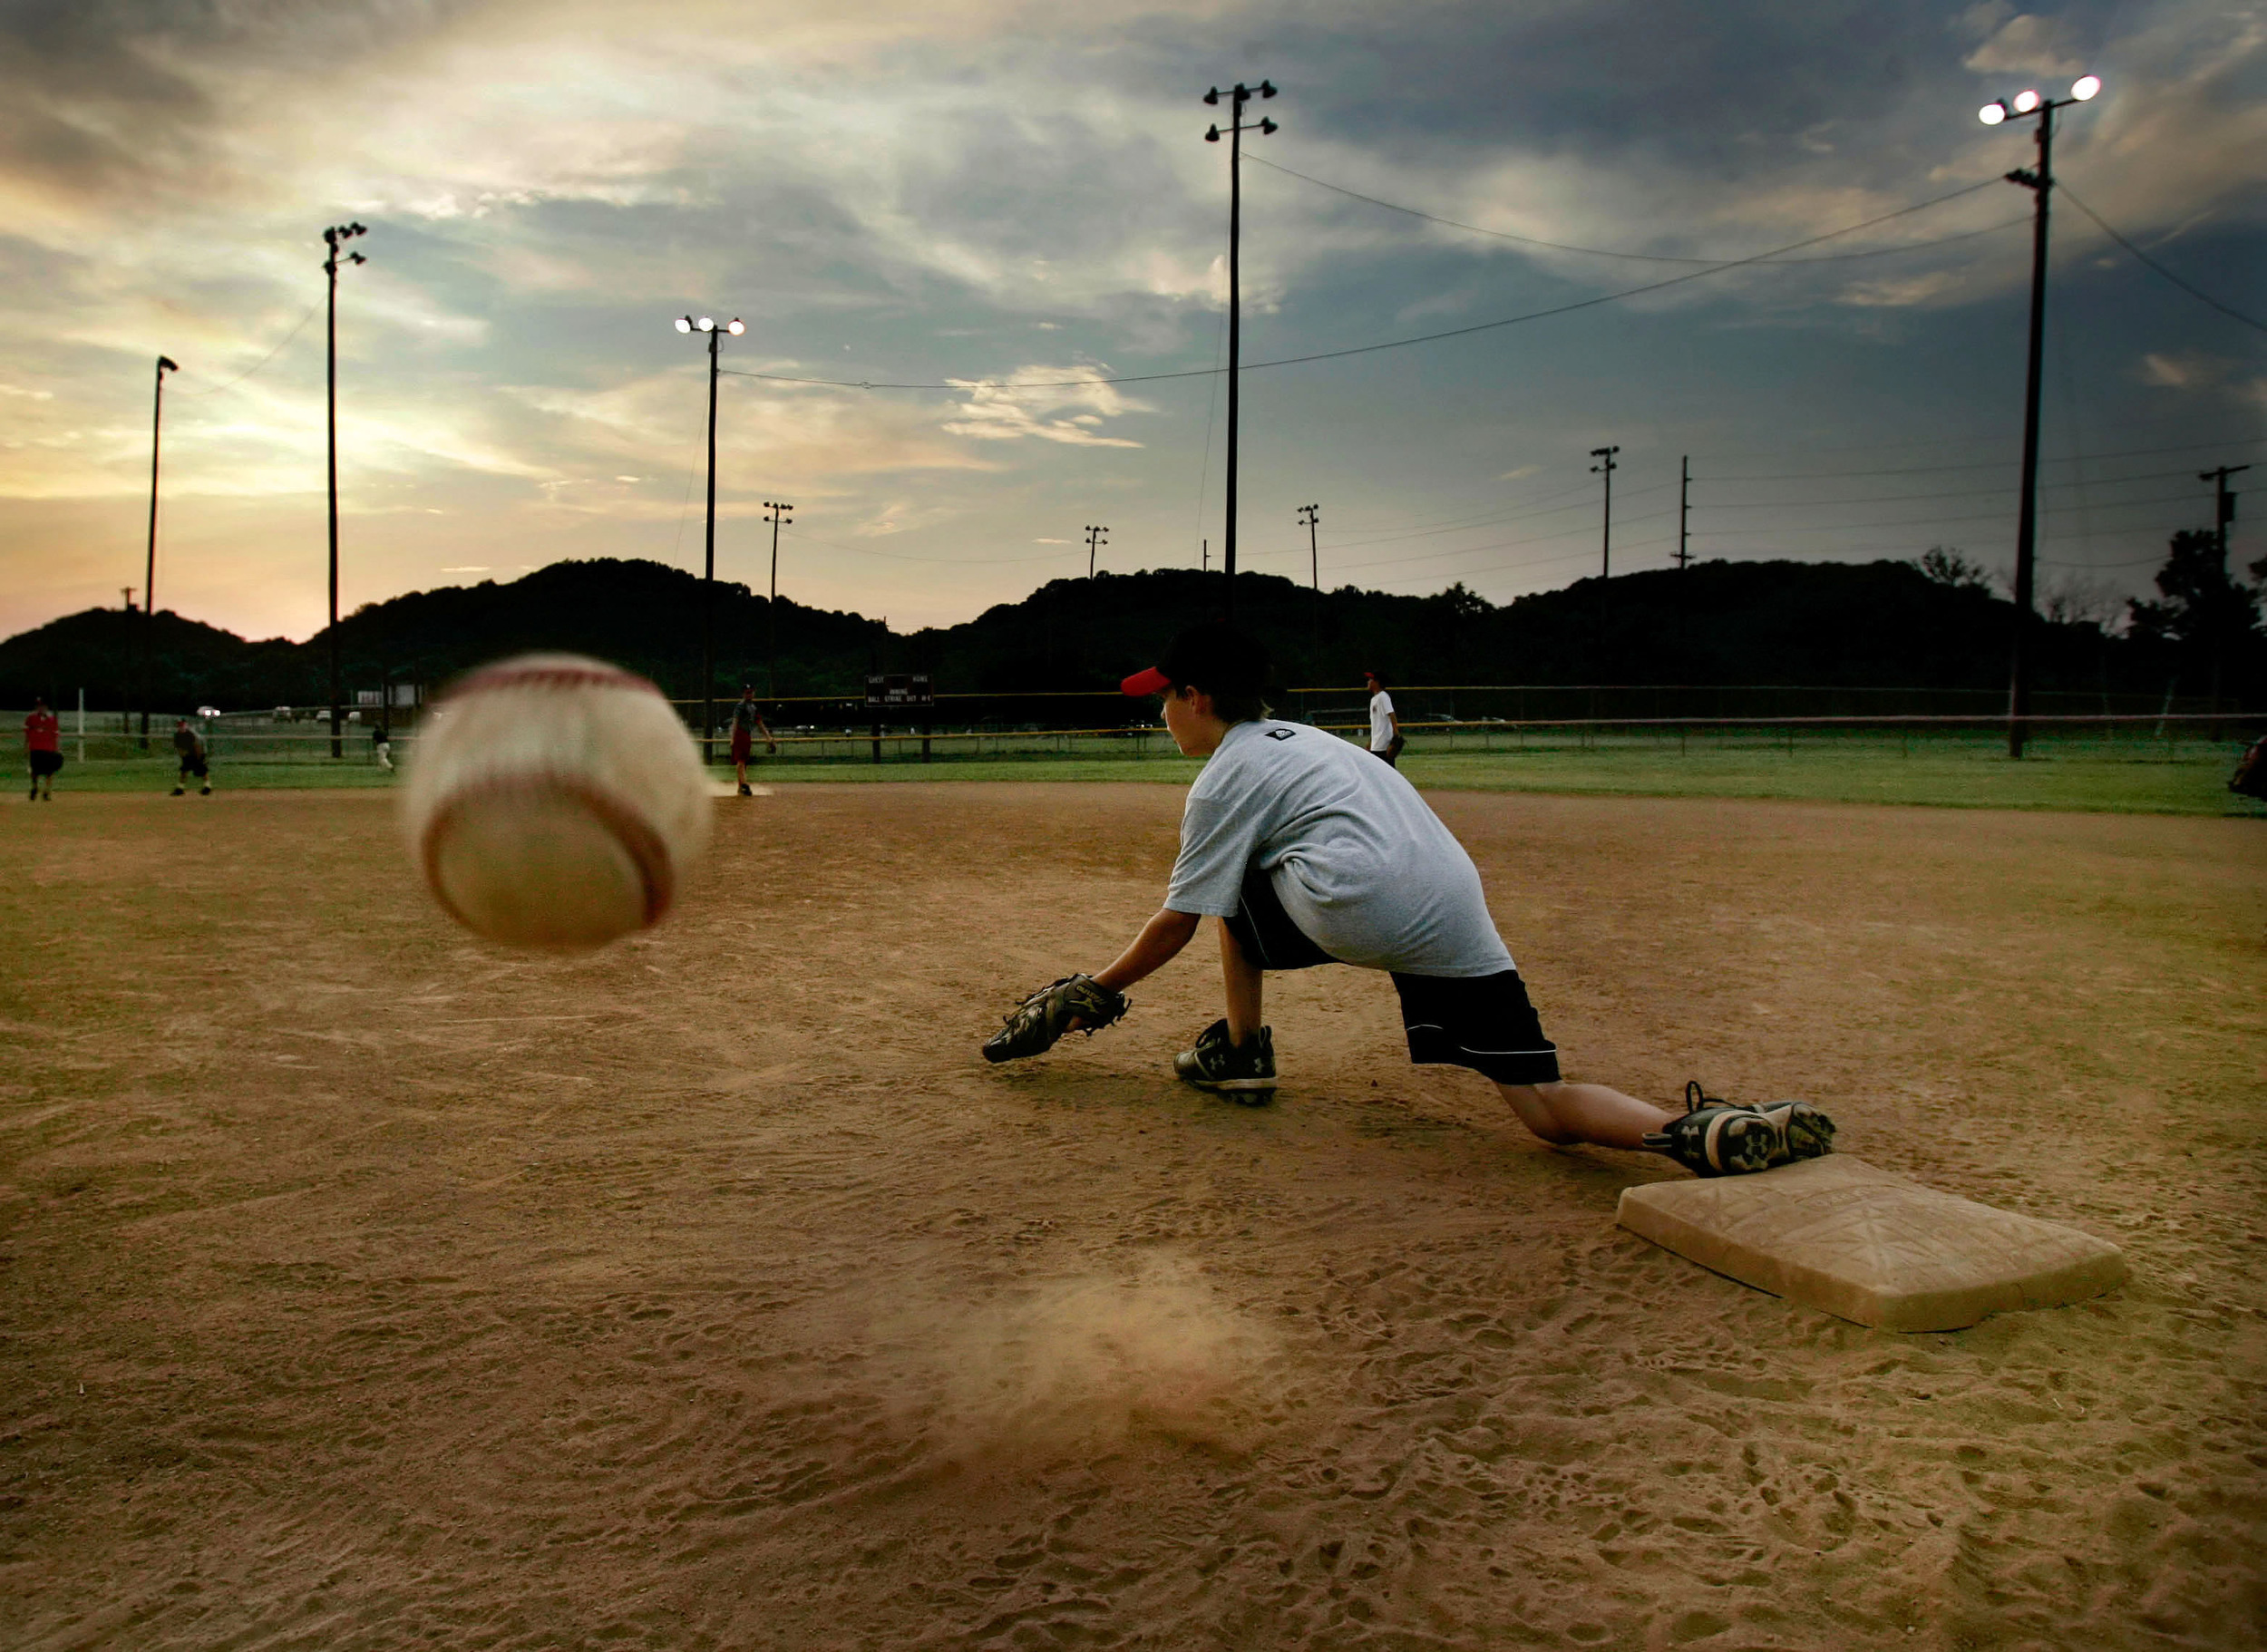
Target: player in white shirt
(1385,728)
(1309,853)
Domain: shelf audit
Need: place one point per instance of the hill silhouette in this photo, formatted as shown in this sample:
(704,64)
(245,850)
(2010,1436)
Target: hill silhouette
(1830,625)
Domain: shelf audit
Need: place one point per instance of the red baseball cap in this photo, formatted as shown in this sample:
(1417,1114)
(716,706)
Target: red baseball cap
(1215,657)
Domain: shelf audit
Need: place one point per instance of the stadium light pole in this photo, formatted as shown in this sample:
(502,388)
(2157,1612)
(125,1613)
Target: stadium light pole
(1094,537)
(148,628)
(736,326)
(1238,96)
(1308,515)
(1605,467)
(333,237)
(1684,513)
(2040,182)
(779,510)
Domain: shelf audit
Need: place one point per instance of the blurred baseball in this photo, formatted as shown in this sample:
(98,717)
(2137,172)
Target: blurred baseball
(555,801)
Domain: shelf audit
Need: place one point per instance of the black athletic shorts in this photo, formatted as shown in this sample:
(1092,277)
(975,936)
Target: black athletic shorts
(193,764)
(1482,1022)
(47,763)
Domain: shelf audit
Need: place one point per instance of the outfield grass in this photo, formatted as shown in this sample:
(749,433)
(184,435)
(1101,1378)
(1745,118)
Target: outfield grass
(157,775)
(1961,771)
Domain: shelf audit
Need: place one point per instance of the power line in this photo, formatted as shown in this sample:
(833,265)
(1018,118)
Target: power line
(1650,286)
(1466,524)
(1915,499)
(1602,252)
(900,556)
(1994,464)
(1926,522)
(1471,551)
(2194,292)
(1391,343)
(255,367)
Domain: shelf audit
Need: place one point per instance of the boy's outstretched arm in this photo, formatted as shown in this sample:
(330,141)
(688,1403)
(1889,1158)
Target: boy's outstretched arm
(1090,1002)
(1160,941)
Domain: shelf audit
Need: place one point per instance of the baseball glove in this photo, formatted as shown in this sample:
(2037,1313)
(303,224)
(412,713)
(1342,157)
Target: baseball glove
(1040,1020)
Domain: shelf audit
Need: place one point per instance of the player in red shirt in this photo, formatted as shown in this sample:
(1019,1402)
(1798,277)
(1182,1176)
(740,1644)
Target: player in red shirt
(43,739)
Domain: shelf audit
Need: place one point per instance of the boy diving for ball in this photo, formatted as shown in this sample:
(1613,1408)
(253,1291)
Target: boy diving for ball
(1310,851)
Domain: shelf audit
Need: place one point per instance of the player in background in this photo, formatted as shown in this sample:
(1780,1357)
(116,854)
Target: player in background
(747,722)
(188,746)
(381,747)
(1385,728)
(1309,855)
(42,745)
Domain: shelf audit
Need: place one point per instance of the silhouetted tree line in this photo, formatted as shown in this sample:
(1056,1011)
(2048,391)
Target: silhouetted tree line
(1935,623)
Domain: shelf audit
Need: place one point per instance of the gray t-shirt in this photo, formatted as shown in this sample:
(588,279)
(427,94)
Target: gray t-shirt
(1361,865)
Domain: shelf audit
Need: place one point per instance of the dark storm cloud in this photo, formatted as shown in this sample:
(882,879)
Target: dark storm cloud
(102,98)
(1723,89)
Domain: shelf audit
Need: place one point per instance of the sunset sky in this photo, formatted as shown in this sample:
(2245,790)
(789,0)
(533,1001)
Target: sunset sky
(981,191)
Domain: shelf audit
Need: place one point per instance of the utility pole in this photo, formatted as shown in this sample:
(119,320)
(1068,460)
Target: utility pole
(1094,537)
(778,508)
(1605,467)
(1204,556)
(1684,514)
(2040,182)
(2222,513)
(1309,515)
(2224,501)
(166,364)
(685,324)
(1237,97)
(331,238)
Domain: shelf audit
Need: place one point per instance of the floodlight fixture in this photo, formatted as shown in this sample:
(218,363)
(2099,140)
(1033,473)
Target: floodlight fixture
(1238,96)
(166,364)
(334,237)
(707,324)
(2041,182)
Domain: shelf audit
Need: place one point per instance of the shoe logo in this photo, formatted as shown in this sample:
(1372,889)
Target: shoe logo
(1281,734)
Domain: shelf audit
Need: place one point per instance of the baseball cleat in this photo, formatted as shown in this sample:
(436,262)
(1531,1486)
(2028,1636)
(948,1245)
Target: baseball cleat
(1241,1072)
(1715,1138)
(1805,1132)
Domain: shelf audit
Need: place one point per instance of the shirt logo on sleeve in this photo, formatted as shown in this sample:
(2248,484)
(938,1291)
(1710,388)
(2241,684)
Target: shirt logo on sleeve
(1281,734)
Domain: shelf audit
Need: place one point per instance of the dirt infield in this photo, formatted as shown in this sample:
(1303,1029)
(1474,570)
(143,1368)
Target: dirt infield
(366,1286)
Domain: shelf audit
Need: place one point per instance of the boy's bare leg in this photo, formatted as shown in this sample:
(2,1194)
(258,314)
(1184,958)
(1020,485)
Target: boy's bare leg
(1564,1113)
(1241,976)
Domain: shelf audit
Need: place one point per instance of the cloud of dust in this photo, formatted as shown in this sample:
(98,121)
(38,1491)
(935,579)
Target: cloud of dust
(1085,1362)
